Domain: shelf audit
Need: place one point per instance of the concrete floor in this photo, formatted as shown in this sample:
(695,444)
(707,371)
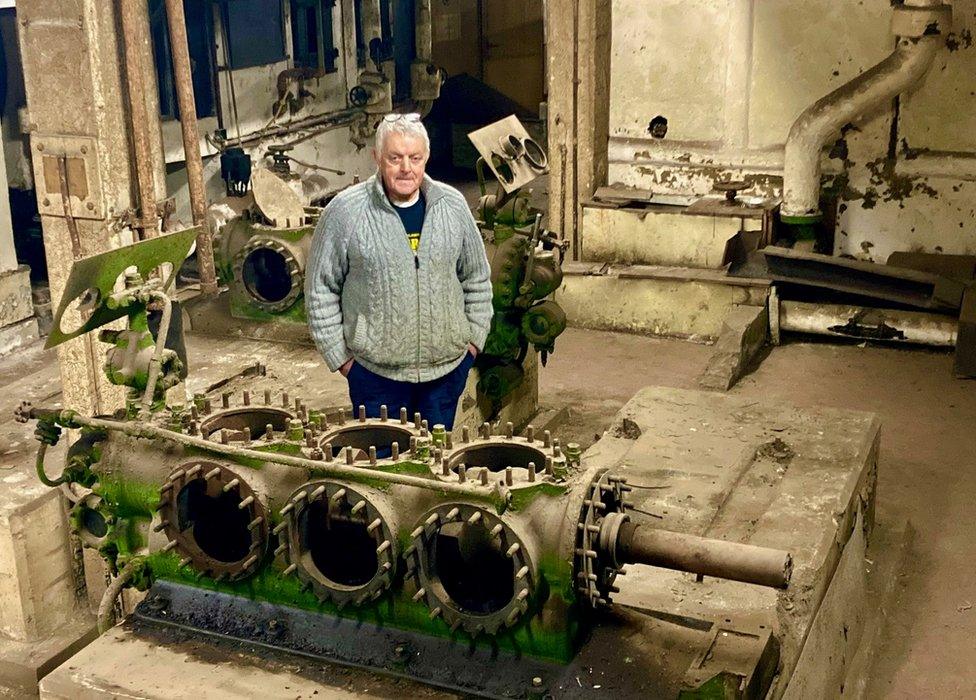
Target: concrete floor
(927,473)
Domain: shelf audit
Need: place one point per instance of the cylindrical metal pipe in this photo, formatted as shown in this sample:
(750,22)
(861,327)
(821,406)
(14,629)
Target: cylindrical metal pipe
(191,142)
(900,70)
(640,544)
(422,31)
(914,327)
(810,131)
(147,430)
(136,40)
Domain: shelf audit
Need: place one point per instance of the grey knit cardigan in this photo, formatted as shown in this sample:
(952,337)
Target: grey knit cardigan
(402,315)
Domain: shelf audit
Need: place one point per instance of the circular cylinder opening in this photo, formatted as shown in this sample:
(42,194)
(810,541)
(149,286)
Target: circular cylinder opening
(213,520)
(535,155)
(496,456)
(503,168)
(255,419)
(472,569)
(93,522)
(337,546)
(266,275)
(362,437)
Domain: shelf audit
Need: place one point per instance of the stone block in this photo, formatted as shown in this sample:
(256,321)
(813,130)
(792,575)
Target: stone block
(677,302)
(15,296)
(744,333)
(18,335)
(39,590)
(43,615)
(660,236)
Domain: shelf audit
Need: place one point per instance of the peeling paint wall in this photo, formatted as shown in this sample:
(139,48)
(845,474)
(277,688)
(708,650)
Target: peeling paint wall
(730,77)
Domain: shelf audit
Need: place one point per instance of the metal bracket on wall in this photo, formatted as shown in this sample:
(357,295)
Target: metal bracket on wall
(79,155)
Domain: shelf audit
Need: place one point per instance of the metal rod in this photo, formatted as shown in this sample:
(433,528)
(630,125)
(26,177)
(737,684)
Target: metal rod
(156,362)
(641,544)
(191,142)
(146,430)
(136,42)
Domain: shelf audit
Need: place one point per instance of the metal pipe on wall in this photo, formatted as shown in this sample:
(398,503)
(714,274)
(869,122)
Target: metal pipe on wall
(918,25)
(841,321)
(191,142)
(137,42)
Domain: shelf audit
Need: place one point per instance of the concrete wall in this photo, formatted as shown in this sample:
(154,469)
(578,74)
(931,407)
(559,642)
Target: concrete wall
(730,76)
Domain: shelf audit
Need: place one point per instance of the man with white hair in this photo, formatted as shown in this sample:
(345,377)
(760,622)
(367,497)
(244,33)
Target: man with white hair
(397,293)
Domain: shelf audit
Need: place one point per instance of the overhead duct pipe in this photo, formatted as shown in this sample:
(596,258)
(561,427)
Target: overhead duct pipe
(919,26)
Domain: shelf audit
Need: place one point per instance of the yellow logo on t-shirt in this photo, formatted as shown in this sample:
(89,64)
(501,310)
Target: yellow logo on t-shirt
(414,239)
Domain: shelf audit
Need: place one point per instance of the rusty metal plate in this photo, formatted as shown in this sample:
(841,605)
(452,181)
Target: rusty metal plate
(77,156)
(93,279)
(510,153)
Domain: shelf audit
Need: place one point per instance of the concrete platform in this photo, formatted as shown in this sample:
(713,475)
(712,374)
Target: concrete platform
(700,462)
(732,468)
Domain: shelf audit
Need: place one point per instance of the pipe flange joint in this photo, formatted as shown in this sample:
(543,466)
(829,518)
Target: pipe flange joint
(310,512)
(596,568)
(911,22)
(422,567)
(295,270)
(208,544)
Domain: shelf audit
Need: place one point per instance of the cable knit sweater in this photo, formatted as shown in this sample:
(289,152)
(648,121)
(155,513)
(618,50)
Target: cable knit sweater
(404,316)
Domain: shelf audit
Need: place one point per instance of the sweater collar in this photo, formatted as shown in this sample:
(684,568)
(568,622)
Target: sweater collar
(429,187)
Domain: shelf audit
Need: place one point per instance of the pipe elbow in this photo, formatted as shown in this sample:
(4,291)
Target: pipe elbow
(825,117)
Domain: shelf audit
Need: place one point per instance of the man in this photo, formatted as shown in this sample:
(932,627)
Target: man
(398,293)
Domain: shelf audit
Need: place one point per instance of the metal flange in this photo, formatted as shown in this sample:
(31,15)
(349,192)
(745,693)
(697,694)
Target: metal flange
(216,482)
(595,567)
(295,271)
(421,558)
(340,502)
(515,461)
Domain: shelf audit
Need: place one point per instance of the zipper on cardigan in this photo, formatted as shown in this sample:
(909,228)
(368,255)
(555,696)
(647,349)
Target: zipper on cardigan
(416,265)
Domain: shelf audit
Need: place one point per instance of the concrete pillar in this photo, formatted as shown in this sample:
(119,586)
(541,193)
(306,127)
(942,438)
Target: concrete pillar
(78,111)
(17,323)
(577,35)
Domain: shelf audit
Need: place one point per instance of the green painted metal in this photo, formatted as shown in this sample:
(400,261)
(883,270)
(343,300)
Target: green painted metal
(94,279)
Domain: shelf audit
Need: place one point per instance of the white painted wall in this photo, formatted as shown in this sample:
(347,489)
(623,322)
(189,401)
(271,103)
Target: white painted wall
(732,75)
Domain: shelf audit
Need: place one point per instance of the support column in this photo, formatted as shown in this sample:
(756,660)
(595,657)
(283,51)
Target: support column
(17,323)
(77,101)
(578,35)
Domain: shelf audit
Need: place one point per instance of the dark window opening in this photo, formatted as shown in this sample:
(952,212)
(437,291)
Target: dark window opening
(311,34)
(254,30)
(404,49)
(199,32)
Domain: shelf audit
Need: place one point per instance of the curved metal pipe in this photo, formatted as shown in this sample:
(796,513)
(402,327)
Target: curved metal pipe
(106,606)
(39,466)
(809,133)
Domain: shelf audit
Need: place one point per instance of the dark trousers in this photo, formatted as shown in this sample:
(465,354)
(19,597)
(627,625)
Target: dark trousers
(436,401)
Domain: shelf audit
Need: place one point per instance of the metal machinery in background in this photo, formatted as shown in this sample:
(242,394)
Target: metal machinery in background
(526,260)
(261,256)
(243,509)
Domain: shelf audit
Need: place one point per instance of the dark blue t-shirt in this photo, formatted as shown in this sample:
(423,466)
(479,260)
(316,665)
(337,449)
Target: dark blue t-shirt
(413,220)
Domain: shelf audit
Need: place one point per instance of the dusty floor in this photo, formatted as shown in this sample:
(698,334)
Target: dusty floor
(927,474)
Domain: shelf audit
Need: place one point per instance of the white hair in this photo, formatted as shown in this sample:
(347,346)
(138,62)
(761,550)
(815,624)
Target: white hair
(403,124)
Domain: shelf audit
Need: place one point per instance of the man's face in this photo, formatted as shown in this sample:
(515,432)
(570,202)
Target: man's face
(402,163)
